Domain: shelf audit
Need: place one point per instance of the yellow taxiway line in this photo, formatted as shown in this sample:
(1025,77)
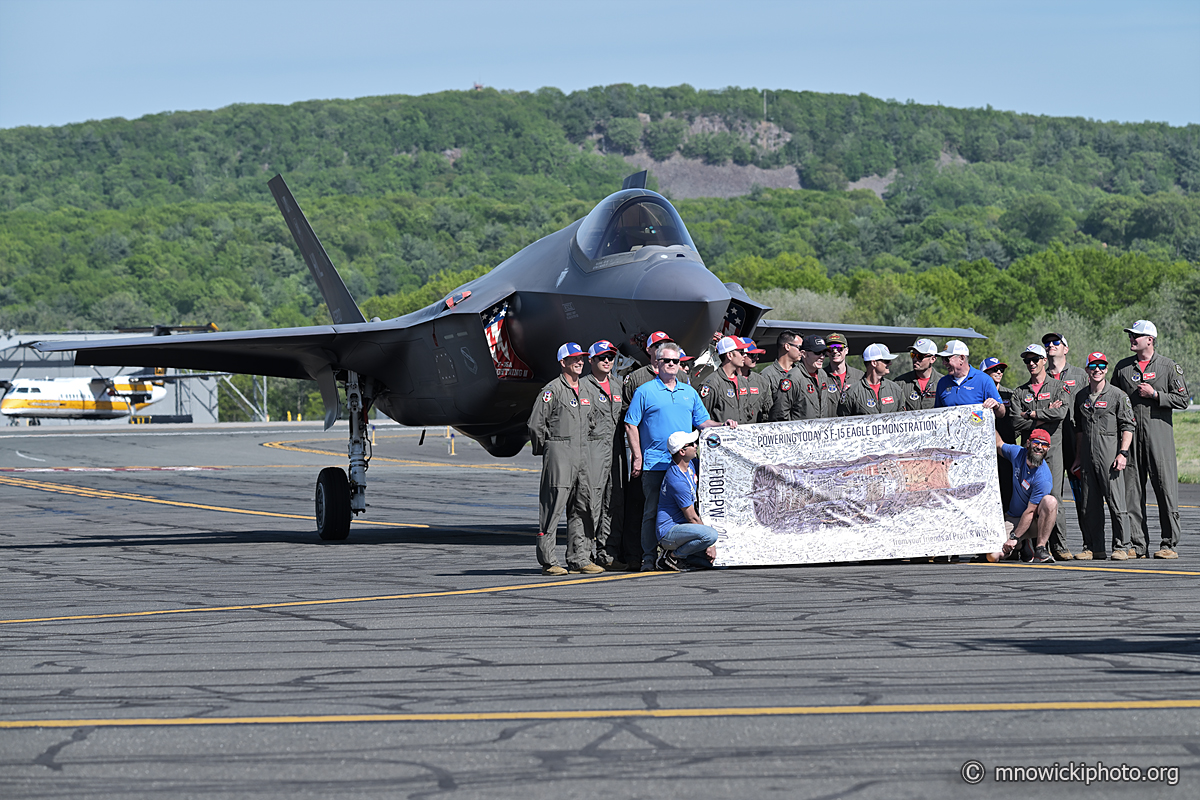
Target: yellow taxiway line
(291,445)
(1123,570)
(343,600)
(106,494)
(619,713)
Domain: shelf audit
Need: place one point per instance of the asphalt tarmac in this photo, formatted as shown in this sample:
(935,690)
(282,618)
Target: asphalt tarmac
(180,631)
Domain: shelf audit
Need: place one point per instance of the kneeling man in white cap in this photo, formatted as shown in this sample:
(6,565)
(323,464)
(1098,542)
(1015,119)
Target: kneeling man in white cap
(684,540)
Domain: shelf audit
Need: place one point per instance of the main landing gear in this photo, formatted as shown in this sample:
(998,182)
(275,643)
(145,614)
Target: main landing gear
(339,499)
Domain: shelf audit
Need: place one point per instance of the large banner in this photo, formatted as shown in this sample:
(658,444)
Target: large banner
(904,485)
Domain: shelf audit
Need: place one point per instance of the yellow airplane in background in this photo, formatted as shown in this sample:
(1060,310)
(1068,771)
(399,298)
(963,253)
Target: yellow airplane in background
(87,398)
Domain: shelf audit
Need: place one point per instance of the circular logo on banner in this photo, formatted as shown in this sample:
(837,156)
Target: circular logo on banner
(713,439)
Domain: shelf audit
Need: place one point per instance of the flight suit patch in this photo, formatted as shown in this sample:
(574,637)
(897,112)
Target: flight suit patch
(602,399)
(886,400)
(616,398)
(574,403)
(1028,398)
(1148,376)
(1068,383)
(785,385)
(914,396)
(811,388)
(705,391)
(1179,369)
(729,392)
(1044,396)
(832,388)
(754,390)
(870,403)
(547,396)
(586,402)
(1101,404)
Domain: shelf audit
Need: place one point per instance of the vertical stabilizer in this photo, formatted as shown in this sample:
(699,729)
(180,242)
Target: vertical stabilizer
(341,305)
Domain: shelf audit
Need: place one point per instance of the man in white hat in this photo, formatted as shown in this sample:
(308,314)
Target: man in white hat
(920,382)
(683,538)
(1156,387)
(963,385)
(1043,402)
(725,393)
(873,393)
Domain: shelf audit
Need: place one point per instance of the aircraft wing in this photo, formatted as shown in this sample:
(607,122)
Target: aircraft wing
(898,340)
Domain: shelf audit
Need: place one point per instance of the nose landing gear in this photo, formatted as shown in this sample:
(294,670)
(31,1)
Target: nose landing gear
(339,499)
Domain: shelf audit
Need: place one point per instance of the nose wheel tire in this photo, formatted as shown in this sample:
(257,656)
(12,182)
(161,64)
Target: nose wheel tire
(333,504)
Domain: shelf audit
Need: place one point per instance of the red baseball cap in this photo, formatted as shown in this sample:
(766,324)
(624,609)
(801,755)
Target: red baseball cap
(1097,357)
(656,337)
(1040,435)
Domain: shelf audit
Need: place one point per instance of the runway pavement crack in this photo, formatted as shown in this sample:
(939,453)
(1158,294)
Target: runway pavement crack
(48,756)
(350,626)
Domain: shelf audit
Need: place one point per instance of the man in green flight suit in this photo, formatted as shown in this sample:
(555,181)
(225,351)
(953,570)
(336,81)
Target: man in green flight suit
(873,393)
(1155,386)
(1104,432)
(600,398)
(726,394)
(558,431)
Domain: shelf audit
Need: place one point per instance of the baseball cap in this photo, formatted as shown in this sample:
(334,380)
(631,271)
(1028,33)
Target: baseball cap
(684,357)
(1036,349)
(925,347)
(1039,435)
(658,337)
(836,338)
(751,347)
(1143,327)
(681,439)
(1097,358)
(602,346)
(814,344)
(730,343)
(877,352)
(991,363)
(1051,337)
(954,347)
(569,349)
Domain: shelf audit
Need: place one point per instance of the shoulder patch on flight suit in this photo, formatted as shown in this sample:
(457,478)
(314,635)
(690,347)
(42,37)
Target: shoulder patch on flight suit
(547,396)
(705,390)
(1179,369)
(785,385)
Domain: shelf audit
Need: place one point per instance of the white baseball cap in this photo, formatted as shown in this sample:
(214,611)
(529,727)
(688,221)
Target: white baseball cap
(1036,349)
(681,439)
(1143,327)
(954,347)
(730,343)
(877,352)
(924,347)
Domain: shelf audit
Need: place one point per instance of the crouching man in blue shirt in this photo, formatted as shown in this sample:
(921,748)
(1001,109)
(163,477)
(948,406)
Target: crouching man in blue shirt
(686,542)
(1033,509)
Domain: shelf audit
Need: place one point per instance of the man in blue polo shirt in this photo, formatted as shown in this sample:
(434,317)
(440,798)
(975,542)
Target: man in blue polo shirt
(659,408)
(1032,498)
(963,385)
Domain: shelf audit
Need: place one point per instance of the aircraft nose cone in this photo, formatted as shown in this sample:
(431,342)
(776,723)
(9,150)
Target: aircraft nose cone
(680,296)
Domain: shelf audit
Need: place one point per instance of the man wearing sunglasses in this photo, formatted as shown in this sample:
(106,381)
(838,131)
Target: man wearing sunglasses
(1156,387)
(686,542)
(1031,513)
(840,373)
(1075,380)
(873,393)
(1104,418)
(605,448)
(809,392)
(725,393)
(920,382)
(1042,402)
(778,371)
(557,430)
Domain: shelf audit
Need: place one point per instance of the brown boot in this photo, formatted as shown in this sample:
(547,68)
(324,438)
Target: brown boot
(1119,555)
(1086,555)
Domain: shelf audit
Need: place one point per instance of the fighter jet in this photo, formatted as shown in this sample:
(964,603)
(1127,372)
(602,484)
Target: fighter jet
(476,359)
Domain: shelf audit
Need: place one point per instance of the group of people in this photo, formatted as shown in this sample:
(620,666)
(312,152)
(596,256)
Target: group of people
(619,458)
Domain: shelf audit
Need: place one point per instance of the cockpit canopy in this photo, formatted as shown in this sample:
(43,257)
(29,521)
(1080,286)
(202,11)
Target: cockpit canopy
(624,223)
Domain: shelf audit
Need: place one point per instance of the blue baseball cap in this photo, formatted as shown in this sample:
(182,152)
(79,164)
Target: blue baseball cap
(991,363)
(569,349)
(602,346)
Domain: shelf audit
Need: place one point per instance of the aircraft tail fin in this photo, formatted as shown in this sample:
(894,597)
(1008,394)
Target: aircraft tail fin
(635,181)
(341,305)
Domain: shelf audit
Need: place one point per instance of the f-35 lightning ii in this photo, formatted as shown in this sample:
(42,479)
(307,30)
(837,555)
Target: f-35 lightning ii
(476,359)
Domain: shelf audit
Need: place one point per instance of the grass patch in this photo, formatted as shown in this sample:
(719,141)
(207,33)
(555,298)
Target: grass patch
(1187,445)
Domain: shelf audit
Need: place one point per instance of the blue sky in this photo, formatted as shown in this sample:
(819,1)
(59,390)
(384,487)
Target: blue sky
(70,60)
